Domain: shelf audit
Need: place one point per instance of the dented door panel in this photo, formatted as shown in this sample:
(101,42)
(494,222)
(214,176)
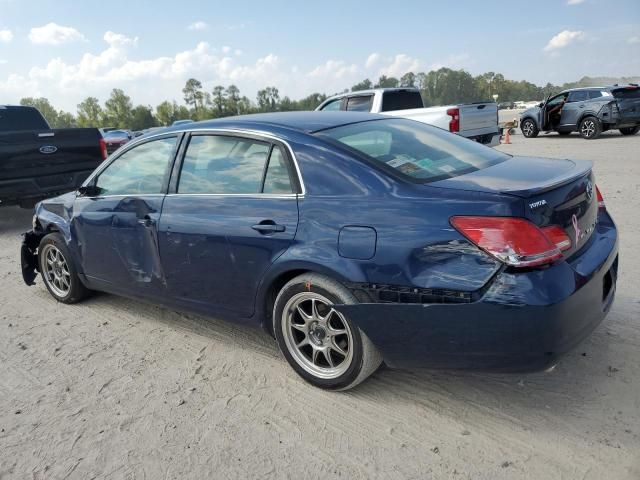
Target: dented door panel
(117,240)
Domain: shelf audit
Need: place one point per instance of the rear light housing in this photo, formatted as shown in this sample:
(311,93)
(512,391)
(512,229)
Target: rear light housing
(454,123)
(600,198)
(103,149)
(516,242)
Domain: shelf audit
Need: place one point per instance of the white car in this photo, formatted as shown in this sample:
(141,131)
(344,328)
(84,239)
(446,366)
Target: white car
(476,121)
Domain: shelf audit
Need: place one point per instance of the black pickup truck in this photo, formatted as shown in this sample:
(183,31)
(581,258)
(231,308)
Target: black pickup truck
(37,162)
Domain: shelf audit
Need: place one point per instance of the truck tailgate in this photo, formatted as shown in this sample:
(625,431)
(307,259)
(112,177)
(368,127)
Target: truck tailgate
(478,118)
(43,163)
(27,154)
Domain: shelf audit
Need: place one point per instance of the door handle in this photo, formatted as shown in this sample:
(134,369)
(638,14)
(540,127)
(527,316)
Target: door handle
(267,227)
(581,106)
(146,221)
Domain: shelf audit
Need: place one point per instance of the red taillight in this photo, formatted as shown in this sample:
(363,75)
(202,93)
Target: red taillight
(558,237)
(514,241)
(600,199)
(103,149)
(454,123)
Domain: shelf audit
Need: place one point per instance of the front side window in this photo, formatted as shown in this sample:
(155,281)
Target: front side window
(360,104)
(415,150)
(140,170)
(217,164)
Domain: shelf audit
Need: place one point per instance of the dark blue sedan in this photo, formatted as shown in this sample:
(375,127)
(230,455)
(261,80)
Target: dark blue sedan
(354,239)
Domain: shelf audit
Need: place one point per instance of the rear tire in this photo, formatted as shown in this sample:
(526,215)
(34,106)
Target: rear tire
(529,128)
(590,128)
(58,271)
(322,345)
(629,130)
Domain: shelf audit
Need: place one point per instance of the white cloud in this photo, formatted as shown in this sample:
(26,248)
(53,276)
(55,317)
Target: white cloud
(334,69)
(54,34)
(458,60)
(563,39)
(199,26)
(574,2)
(401,64)
(372,60)
(6,36)
(633,40)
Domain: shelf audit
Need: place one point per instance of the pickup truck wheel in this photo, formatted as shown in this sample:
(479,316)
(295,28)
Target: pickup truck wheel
(529,128)
(58,270)
(629,130)
(590,128)
(321,344)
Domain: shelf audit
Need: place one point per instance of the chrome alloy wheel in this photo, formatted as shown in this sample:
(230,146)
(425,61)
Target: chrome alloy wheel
(317,336)
(56,270)
(527,128)
(588,128)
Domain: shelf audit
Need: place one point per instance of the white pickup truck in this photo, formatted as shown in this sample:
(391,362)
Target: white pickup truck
(476,121)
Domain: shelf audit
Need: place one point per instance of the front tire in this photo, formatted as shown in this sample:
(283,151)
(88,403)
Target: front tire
(529,128)
(58,271)
(590,128)
(321,344)
(629,130)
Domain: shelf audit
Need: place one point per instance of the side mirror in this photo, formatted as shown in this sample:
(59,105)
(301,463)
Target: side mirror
(89,191)
(541,104)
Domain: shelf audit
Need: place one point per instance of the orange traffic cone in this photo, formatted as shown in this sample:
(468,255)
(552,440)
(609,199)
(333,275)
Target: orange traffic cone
(507,137)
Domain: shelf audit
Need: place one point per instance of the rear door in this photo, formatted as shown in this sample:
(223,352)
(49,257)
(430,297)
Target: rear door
(573,108)
(232,213)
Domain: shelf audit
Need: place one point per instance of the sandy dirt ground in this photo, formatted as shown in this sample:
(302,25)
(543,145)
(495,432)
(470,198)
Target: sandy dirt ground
(115,389)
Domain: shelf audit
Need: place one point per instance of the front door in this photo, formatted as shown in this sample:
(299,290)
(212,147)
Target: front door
(234,211)
(115,218)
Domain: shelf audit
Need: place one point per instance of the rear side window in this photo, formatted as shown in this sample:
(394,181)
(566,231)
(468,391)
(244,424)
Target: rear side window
(578,96)
(21,118)
(419,152)
(217,164)
(332,106)
(401,100)
(359,104)
(594,94)
(141,170)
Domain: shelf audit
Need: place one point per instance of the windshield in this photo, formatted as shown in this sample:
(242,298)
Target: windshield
(418,151)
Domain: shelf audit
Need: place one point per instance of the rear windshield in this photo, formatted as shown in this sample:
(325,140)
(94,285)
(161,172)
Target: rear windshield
(401,100)
(627,93)
(21,118)
(420,152)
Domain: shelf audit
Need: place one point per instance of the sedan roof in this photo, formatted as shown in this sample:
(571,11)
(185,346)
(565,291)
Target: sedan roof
(308,122)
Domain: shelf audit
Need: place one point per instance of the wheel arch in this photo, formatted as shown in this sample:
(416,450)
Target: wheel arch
(278,276)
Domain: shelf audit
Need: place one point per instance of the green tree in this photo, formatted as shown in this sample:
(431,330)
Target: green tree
(387,82)
(89,113)
(232,99)
(142,118)
(65,120)
(44,107)
(117,111)
(268,99)
(193,94)
(218,101)
(408,80)
(363,85)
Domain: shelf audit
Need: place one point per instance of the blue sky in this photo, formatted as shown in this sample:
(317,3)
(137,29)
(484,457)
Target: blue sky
(67,50)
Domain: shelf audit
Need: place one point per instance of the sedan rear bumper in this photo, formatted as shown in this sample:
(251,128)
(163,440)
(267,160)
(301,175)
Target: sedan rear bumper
(524,322)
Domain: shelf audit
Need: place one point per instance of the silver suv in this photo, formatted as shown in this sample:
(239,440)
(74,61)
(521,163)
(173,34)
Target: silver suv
(589,111)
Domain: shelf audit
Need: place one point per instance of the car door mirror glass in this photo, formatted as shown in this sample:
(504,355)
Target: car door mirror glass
(89,191)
